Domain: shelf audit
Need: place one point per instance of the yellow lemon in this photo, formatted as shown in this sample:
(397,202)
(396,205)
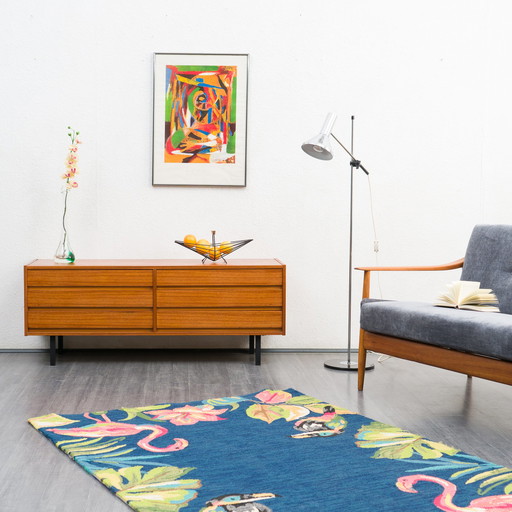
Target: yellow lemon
(189,240)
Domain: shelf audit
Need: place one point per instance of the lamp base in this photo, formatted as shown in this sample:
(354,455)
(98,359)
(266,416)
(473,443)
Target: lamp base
(336,364)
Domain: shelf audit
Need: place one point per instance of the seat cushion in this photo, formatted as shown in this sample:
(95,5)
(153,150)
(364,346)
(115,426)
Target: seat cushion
(488,334)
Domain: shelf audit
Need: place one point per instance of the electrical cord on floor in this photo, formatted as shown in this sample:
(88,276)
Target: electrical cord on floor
(381,358)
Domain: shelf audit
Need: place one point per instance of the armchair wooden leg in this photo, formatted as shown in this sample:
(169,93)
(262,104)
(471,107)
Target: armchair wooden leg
(361,365)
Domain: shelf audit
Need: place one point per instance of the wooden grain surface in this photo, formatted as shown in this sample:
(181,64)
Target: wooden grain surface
(478,366)
(229,318)
(89,297)
(87,318)
(220,277)
(227,297)
(75,277)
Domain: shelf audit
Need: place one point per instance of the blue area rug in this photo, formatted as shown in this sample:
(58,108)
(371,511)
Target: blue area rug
(276,450)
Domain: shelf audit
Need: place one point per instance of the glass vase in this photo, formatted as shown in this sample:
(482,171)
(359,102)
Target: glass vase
(64,253)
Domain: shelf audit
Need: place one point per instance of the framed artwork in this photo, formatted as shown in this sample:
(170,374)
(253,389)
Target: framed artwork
(200,119)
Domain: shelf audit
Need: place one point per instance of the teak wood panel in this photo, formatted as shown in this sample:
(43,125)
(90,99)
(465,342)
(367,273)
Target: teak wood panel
(448,359)
(218,318)
(220,277)
(79,277)
(180,297)
(89,297)
(89,318)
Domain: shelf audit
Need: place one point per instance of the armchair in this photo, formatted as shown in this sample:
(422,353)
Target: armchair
(470,342)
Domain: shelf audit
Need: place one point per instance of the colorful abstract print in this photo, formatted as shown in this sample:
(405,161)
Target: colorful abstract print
(200,114)
(272,451)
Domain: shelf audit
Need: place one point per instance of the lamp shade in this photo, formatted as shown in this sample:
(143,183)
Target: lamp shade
(320,145)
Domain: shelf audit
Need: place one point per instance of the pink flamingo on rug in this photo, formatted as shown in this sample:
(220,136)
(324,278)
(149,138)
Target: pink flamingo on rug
(109,428)
(496,503)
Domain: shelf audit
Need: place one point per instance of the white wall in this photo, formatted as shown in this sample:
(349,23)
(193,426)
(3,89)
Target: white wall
(428,82)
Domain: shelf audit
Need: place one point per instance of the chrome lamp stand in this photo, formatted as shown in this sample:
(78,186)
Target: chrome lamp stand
(319,147)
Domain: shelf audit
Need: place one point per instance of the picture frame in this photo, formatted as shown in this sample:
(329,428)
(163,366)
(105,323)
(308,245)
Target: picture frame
(200,119)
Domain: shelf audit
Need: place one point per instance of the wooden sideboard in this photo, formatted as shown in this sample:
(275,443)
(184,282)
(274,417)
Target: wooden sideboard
(155,297)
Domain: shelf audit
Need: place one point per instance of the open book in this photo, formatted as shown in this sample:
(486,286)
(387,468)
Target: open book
(468,295)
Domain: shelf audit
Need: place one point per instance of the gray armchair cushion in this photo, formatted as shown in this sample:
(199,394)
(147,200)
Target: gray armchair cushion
(488,259)
(488,334)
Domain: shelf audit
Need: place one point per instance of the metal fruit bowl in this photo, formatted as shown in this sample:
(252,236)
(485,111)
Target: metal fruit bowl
(215,251)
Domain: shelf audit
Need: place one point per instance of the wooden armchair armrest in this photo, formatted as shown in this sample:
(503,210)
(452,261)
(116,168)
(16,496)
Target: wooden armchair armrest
(368,270)
(446,266)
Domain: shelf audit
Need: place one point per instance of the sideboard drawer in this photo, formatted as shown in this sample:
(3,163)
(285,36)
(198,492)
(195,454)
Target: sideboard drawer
(222,297)
(199,318)
(89,318)
(76,277)
(51,297)
(218,276)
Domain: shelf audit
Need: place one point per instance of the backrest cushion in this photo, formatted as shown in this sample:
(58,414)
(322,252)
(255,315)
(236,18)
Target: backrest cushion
(489,260)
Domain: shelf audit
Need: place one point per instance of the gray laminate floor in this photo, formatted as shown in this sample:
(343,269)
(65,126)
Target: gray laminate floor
(473,415)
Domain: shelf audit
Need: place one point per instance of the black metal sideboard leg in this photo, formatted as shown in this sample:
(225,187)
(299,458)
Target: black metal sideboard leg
(257,353)
(60,344)
(53,354)
(251,344)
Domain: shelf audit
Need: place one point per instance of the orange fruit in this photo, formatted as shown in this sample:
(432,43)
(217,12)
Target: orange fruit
(226,247)
(203,246)
(189,240)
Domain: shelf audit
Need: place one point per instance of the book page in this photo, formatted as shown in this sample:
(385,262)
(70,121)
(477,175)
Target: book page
(466,290)
(468,295)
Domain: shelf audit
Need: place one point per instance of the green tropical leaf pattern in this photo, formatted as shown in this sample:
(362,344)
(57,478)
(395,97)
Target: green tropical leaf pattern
(132,412)
(50,420)
(275,404)
(395,443)
(269,413)
(493,479)
(160,489)
(231,401)
(302,400)
(82,446)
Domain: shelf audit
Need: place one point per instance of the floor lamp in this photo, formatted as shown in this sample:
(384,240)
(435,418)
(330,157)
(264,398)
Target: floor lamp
(320,147)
